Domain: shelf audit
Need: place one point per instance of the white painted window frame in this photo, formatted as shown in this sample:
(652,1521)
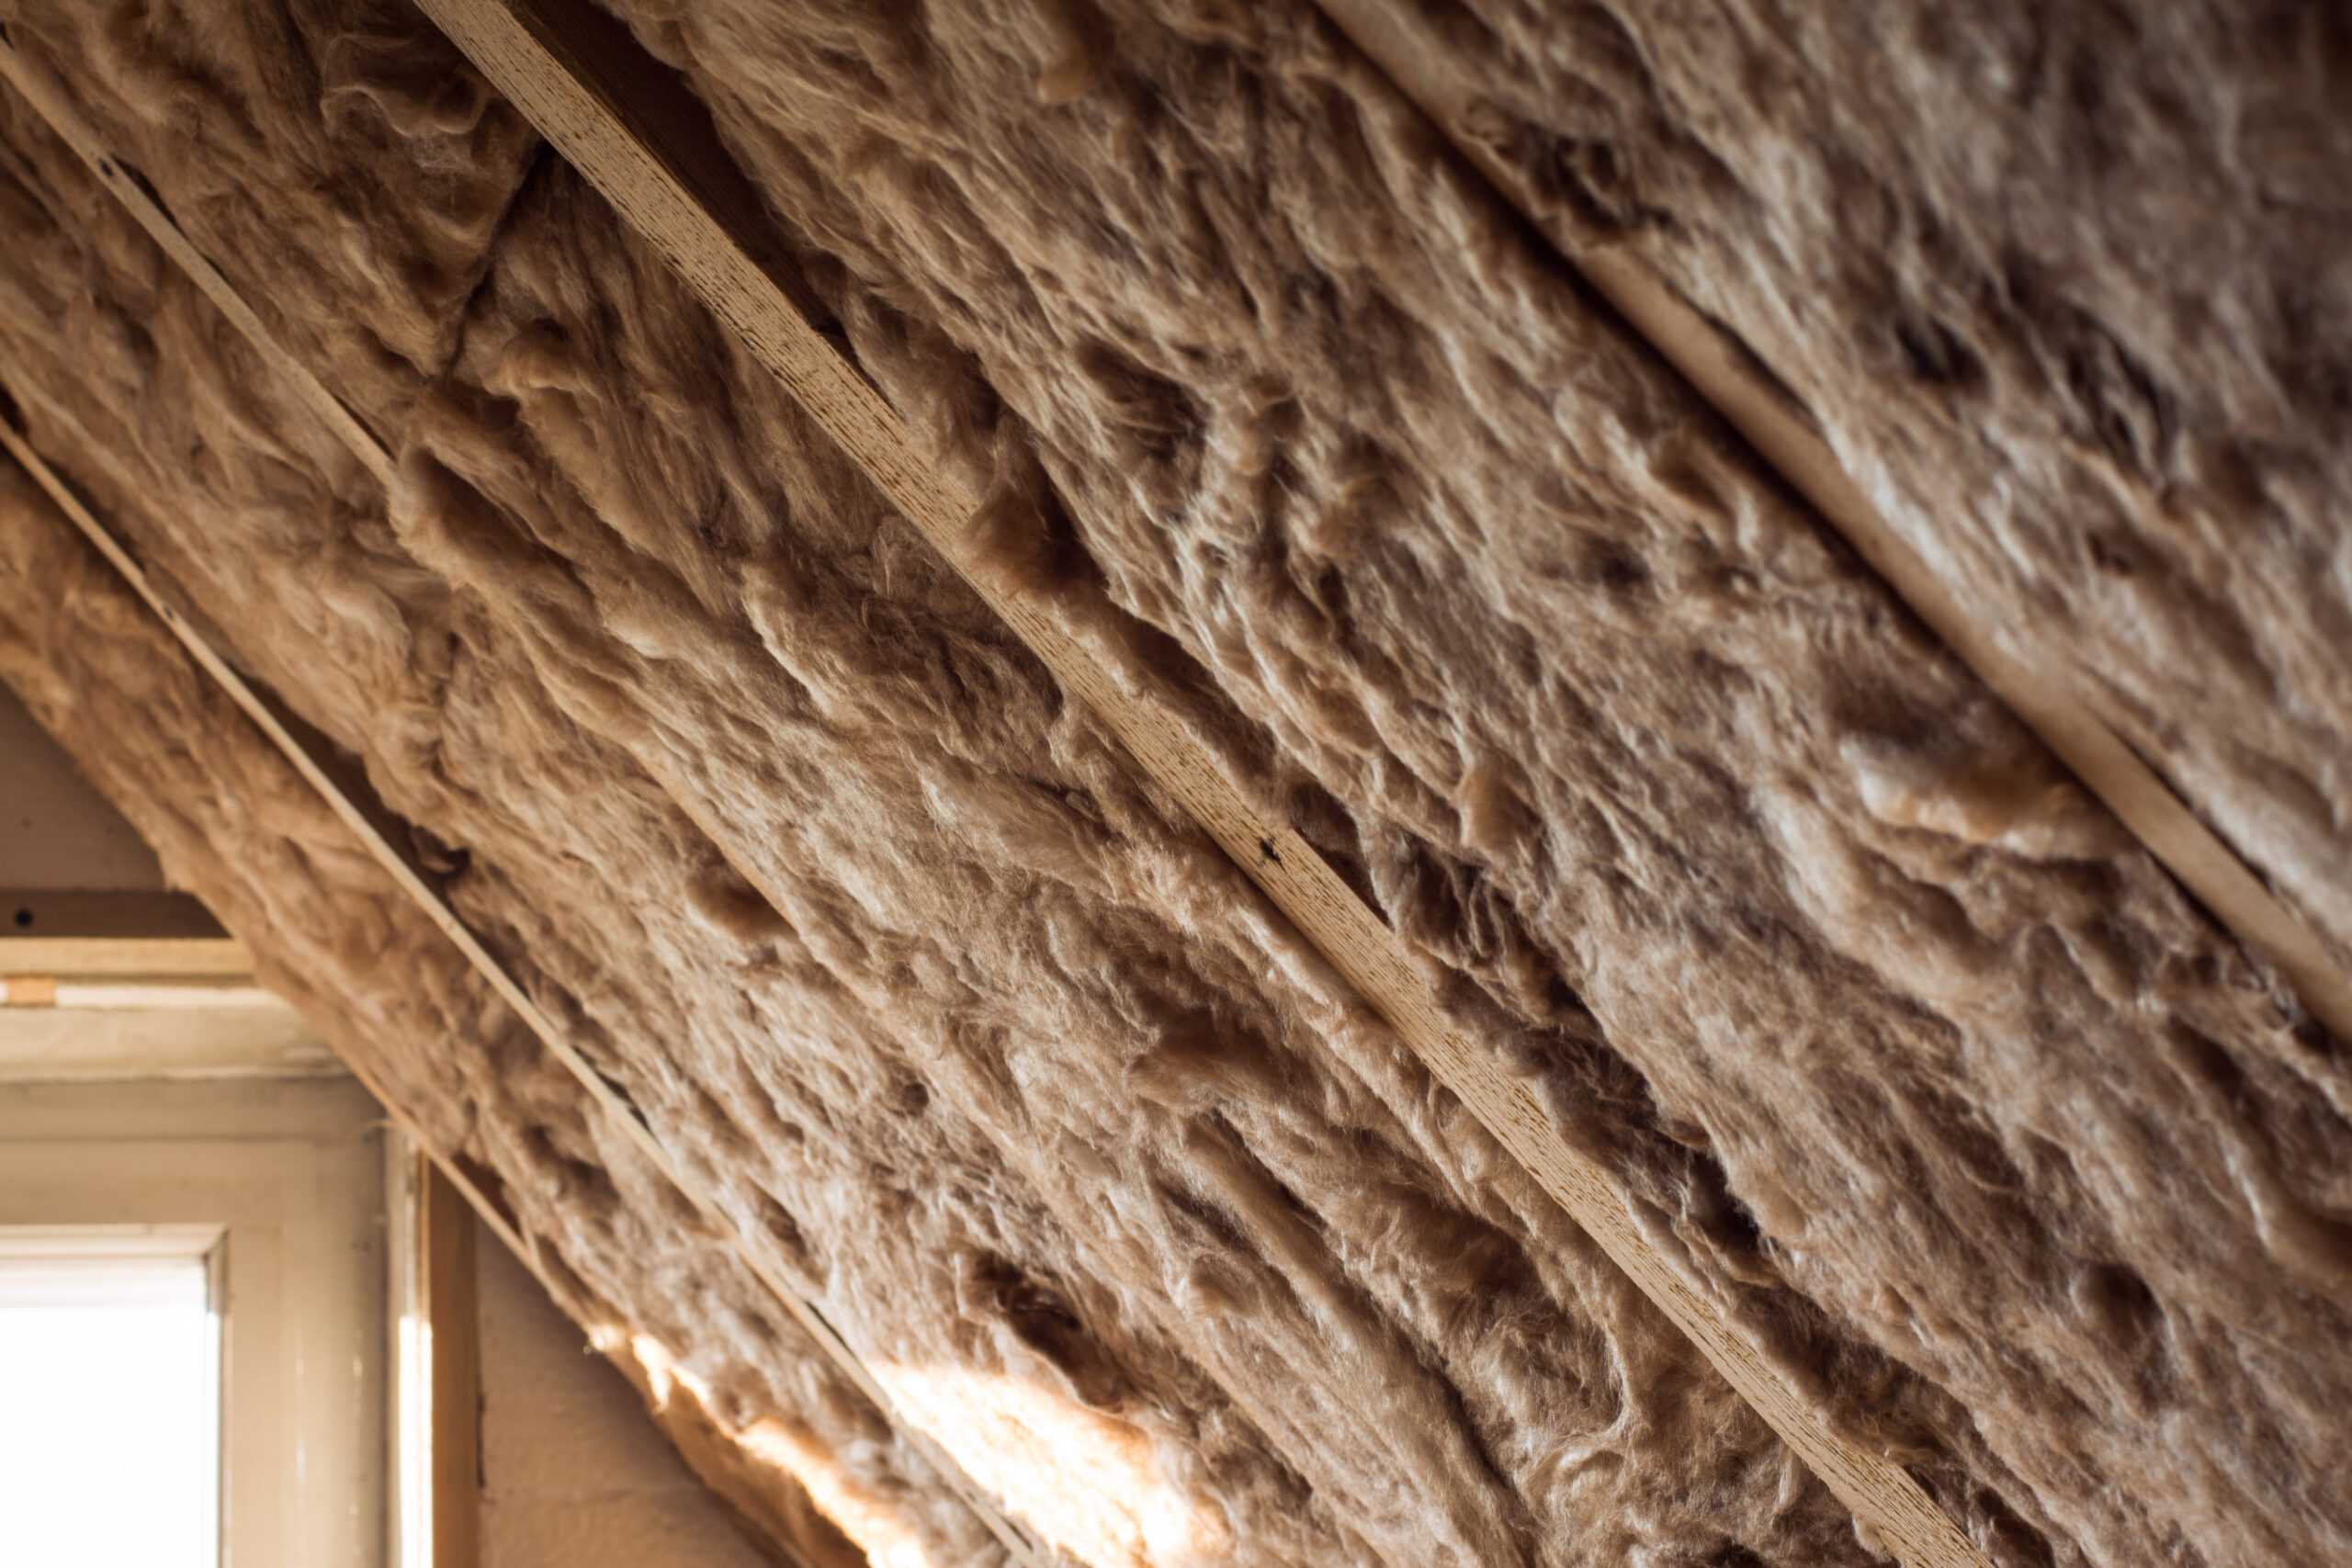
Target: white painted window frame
(292,1172)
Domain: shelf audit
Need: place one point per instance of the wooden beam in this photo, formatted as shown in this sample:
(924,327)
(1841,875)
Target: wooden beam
(452,1319)
(152,958)
(2107,765)
(150,992)
(582,81)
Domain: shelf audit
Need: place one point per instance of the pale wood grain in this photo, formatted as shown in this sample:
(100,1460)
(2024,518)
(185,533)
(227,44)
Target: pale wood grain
(158,958)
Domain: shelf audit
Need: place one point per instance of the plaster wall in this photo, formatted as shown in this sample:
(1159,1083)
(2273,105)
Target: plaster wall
(574,1473)
(57,832)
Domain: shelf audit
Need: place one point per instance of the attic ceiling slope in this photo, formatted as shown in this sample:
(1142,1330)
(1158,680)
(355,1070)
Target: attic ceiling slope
(1885,1031)
(593,100)
(1602,704)
(452,743)
(1726,370)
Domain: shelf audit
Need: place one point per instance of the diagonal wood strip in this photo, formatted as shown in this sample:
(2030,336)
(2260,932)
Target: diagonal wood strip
(2194,853)
(132,192)
(365,823)
(582,81)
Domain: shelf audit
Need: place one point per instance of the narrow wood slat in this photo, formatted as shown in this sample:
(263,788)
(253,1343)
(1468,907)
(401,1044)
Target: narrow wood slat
(2148,806)
(578,84)
(453,1318)
(148,957)
(127,188)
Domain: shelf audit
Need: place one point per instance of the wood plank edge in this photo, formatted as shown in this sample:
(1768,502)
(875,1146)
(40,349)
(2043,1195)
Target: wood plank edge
(155,958)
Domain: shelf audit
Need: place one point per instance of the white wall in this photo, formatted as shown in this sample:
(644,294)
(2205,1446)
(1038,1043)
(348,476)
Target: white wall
(574,1473)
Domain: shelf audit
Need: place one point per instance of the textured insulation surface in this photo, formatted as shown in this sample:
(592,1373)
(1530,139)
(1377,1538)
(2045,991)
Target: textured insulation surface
(1896,1044)
(2063,286)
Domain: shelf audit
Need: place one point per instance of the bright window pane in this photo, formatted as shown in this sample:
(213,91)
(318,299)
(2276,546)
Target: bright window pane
(110,1412)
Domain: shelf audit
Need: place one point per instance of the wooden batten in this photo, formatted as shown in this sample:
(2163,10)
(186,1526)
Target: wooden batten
(161,958)
(445,1246)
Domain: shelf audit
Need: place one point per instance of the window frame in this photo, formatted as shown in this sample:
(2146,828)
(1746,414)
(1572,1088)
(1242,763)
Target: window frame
(292,1172)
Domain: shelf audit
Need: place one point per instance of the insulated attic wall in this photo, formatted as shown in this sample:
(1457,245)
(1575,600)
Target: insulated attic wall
(1112,1187)
(1895,1042)
(1604,709)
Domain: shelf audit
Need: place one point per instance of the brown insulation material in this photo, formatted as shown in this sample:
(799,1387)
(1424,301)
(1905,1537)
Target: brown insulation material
(1612,720)
(2065,287)
(1168,1241)
(966,853)
(336,158)
(622,1249)
(1897,1046)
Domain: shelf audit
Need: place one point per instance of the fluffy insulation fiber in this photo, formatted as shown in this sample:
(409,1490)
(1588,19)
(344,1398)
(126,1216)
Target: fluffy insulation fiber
(1123,1196)
(1894,1042)
(2066,285)
(1607,718)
